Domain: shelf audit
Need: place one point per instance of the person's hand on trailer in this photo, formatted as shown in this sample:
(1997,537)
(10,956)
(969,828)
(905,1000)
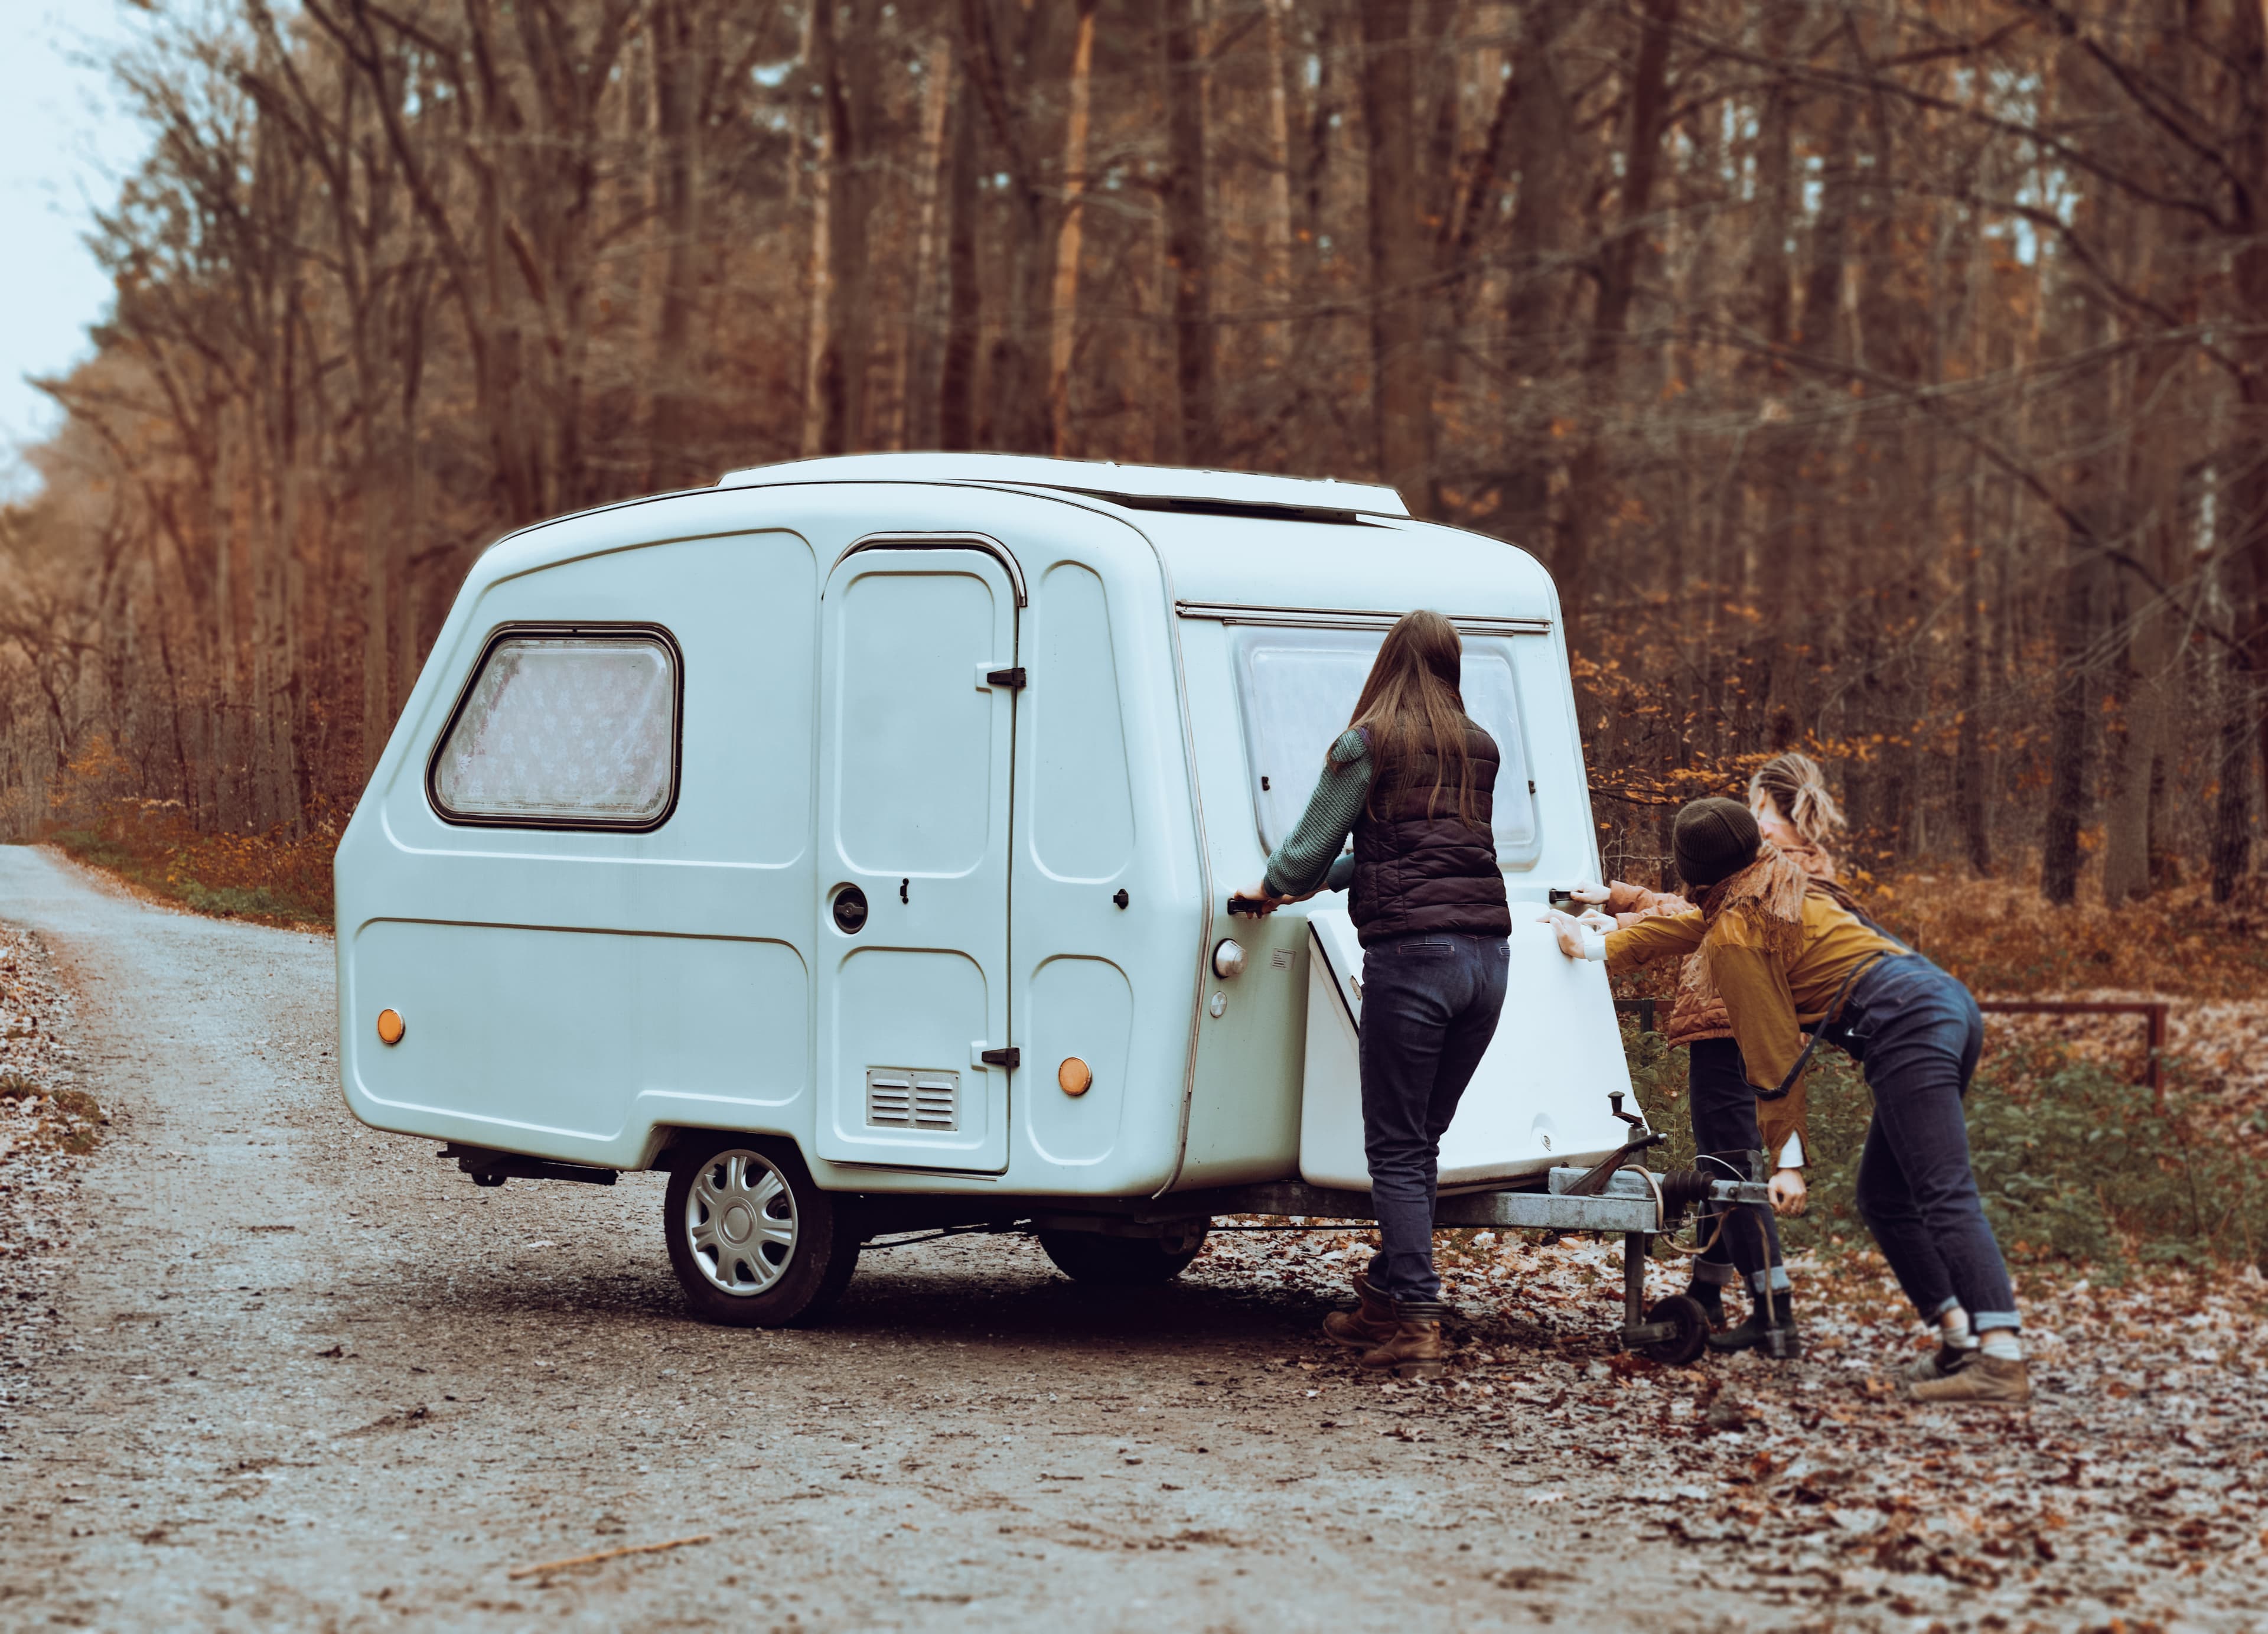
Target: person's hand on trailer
(1578,938)
(1789,1195)
(1260,902)
(1590,892)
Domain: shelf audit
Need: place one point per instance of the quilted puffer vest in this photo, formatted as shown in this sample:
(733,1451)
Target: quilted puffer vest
(1416,871)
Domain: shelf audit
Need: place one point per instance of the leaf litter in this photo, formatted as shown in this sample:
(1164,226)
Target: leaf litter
(2128,1495)
(49,1127)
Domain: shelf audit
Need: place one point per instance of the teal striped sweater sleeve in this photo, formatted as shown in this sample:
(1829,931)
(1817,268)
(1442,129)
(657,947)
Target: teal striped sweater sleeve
(1304,861)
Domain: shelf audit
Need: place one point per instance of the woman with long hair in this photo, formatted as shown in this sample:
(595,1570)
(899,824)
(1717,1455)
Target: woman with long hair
(1785,951)
(1413,779)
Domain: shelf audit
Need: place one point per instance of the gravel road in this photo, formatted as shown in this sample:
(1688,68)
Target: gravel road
(302,1374)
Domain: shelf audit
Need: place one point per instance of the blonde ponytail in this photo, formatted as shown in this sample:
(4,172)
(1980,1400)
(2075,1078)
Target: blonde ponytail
(1799,789)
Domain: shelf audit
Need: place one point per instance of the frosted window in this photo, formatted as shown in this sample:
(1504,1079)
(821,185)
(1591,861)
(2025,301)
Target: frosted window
(579,729)
(1298,687)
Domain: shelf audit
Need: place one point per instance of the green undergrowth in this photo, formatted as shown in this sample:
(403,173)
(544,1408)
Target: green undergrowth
(2075,1164)
(268,878)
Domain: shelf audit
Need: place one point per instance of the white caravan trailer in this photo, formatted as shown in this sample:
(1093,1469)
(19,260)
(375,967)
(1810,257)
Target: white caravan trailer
(855,840)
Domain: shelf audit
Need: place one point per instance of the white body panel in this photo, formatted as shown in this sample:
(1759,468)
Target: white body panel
(1045,869)
(1538,1097)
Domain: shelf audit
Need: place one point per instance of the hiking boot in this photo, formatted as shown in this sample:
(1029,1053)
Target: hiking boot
(1369,1325)
(1990,1379)
(1778,1340)
(1942,1363)
(1416,1349)
(1710,1297)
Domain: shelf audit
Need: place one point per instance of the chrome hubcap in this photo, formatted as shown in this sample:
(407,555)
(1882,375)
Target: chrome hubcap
(739,1219)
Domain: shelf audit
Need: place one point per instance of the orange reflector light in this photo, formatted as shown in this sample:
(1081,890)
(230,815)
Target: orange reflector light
(1073,1078)
(389,1026)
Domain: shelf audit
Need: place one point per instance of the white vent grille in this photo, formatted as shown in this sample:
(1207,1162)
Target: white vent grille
(907,1098)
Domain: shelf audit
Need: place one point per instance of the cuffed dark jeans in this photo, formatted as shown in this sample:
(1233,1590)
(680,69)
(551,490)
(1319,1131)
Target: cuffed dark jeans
(1430,1004)
(1918,1032)
(1723,1103)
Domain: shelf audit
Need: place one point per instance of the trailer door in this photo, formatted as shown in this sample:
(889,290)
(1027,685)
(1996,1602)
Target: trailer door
(916,697)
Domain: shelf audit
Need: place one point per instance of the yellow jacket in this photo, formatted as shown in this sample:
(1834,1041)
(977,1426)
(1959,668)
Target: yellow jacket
(1769,994)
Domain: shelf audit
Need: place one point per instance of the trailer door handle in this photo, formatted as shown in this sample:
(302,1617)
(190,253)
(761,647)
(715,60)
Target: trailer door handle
(1014,679)
(1010,1058)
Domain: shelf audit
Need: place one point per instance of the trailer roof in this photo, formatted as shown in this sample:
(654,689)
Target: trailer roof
(1104,478)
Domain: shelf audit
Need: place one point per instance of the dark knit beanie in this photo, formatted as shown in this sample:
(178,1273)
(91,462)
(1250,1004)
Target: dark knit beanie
(1714,839)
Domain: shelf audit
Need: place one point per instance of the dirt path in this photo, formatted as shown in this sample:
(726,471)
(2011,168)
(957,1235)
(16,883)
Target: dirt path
(305,1375)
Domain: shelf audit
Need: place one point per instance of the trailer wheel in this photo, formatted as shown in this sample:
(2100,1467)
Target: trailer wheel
(1692,1324)
(754,1242)
(1117,1261)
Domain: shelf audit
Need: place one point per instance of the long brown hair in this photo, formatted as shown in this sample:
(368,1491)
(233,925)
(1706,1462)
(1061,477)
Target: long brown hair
(1798,790)
(1412,706)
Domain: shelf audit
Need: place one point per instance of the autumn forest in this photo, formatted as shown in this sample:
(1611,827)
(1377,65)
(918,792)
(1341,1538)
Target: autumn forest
(1891,380)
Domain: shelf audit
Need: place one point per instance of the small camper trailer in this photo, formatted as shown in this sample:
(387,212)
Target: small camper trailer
(854,840)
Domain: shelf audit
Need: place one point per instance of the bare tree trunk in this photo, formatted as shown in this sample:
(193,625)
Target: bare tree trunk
(1972,790)
(228,749)
(1276,277)
(846,358)
(1539,115)
(1065,309)
(964,298)
(676,165)
(2231,851)
(2072,730)
(1402,405)
(917,400)
(1189,241)
(2249,493)
(2138,767)
(821,352)
(1618,265)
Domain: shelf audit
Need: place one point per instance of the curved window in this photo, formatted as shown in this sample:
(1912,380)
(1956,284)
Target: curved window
(564,728)
(1299,686)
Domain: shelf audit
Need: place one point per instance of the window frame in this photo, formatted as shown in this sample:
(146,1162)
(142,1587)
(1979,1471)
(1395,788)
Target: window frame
(552,630)
(1244,642)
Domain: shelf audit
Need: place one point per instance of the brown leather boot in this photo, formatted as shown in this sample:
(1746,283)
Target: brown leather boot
(1370,1324)
(1990,1379)
(1416,1349)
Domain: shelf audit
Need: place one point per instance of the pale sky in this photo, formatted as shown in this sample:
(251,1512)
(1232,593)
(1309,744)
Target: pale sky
(64,146)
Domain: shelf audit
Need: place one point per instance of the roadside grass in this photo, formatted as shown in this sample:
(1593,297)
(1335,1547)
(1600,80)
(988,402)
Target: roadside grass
(2077,1166)
(276,878)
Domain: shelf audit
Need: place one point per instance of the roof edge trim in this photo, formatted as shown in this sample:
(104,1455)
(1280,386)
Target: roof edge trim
(1350,618)
(1094,478)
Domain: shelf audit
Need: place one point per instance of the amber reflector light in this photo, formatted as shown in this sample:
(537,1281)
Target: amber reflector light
(1073,1078)
(389,1026)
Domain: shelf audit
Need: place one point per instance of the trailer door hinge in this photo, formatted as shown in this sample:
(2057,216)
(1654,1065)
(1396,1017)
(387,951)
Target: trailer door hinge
(1010,1058)
(1014,680)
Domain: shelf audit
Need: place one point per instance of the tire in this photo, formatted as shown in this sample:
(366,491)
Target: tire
(754,1242)
(1117,1261)
(1692,1323)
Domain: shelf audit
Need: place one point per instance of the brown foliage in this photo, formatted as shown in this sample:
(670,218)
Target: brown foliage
(1883,379)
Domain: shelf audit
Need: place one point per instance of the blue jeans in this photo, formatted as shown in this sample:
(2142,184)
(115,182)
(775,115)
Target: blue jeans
(1723,1103)
(1430,1004)
(1918,1032)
